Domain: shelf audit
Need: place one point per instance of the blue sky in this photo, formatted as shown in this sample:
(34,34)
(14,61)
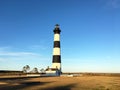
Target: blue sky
(90,37)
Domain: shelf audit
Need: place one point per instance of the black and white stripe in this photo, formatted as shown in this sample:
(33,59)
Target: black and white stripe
(56,62)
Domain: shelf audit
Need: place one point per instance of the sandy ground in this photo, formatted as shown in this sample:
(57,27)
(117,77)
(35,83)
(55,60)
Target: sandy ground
(61,83)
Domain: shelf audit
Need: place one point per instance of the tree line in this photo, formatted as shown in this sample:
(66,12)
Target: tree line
(26,69)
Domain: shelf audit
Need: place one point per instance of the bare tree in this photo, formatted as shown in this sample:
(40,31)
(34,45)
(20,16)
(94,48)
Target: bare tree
(34,70)
(42,70)
(26,69)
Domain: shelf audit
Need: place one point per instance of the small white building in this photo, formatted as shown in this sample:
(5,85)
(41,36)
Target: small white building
(52,72)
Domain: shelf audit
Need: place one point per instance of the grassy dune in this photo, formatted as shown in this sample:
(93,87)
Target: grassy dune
(61,83)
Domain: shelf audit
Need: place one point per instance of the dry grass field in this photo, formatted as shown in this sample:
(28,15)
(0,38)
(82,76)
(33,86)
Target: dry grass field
(61,83)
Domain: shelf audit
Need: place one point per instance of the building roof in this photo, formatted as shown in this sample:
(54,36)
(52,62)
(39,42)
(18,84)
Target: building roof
(51,69)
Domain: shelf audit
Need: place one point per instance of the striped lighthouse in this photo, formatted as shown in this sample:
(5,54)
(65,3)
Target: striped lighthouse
(56,60)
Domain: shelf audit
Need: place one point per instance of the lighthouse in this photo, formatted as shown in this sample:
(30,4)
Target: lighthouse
(56,60)
(55,70)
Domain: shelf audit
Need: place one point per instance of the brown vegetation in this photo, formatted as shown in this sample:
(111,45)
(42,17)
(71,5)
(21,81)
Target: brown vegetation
(61,83)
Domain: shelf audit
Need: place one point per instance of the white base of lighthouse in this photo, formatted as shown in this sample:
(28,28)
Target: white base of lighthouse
(57,66)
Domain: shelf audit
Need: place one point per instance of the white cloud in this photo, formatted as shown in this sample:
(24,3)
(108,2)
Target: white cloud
(17,54)
(2,59)
(13,58)
(8,54)
(38,47)
(4,48)
(10,51)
